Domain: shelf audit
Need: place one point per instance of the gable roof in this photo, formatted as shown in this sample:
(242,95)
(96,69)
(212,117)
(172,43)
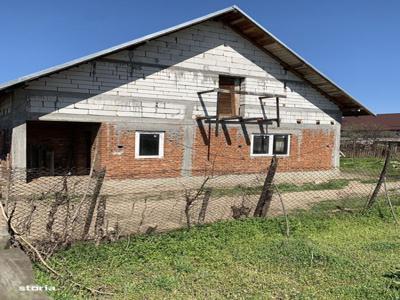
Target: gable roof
(381,122)
(244,25)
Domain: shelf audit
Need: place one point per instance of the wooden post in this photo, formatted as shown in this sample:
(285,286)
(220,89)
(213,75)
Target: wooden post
(267,192)
(209,141)
(390,202)
(100,217)
(204,205)
(382,177)
(99,183)
(278,116)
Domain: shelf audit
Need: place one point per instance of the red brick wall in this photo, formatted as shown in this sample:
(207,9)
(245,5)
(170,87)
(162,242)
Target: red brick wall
(310,151)
(120,162)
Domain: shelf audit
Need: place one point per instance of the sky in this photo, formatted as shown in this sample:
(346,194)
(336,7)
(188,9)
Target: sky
(355,43)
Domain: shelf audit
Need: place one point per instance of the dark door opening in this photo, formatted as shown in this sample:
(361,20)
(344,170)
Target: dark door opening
(55,148)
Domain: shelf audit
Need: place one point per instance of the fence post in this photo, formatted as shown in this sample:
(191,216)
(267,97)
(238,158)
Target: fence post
(204,205)
(99,183)
(100,216)
(382,177)
(266,195)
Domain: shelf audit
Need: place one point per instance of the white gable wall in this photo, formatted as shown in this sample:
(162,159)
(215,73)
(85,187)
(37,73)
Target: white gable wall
(161,79)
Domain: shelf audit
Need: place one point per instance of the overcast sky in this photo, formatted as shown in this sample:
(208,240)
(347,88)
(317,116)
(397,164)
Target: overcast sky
(355,43)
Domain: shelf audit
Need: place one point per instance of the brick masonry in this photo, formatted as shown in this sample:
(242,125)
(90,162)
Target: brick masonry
(310,149)
(117,154)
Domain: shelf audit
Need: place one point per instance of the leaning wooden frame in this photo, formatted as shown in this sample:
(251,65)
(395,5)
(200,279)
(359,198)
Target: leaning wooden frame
(237,118)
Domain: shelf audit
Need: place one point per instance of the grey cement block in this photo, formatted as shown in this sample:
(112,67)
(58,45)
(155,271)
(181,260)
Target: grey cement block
(15,275)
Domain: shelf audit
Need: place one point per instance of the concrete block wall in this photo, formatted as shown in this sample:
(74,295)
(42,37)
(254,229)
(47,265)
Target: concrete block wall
(102,105)
(141,83)
(156,85)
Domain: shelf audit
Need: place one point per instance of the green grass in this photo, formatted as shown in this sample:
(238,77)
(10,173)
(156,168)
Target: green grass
(373,165)
(327,256)
(369,166)
(332,184)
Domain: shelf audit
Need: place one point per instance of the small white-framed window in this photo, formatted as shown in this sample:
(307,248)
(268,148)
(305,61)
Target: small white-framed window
(149,144)
(281,144)
(261,145)
(270,144)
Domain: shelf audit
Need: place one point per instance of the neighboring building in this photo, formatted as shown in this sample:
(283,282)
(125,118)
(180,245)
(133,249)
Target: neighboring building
(368,136)
(145,106)
(379,126)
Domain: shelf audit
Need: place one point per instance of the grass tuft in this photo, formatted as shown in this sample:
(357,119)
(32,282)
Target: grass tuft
(332,184)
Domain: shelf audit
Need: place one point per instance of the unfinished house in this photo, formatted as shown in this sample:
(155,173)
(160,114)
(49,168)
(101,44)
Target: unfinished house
(219,91)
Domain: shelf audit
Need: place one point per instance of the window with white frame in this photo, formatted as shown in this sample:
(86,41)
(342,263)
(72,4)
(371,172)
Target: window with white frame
(149,144)
(260,144)
(270,144)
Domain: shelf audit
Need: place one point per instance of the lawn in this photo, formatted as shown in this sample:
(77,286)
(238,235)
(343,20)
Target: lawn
(369,166)
(327,256)
(332,184)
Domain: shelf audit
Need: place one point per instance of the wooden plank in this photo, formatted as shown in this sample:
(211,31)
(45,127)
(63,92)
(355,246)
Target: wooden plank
(226,105)
(267,43)
(264,95)
(237,21)
(250,30)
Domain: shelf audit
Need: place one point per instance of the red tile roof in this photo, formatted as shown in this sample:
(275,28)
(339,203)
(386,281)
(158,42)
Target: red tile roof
(383,122)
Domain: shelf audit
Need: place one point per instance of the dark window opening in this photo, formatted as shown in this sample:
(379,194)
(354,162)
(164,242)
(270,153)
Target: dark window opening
(260,144)
(228,100)
(150,144)
(280,144)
